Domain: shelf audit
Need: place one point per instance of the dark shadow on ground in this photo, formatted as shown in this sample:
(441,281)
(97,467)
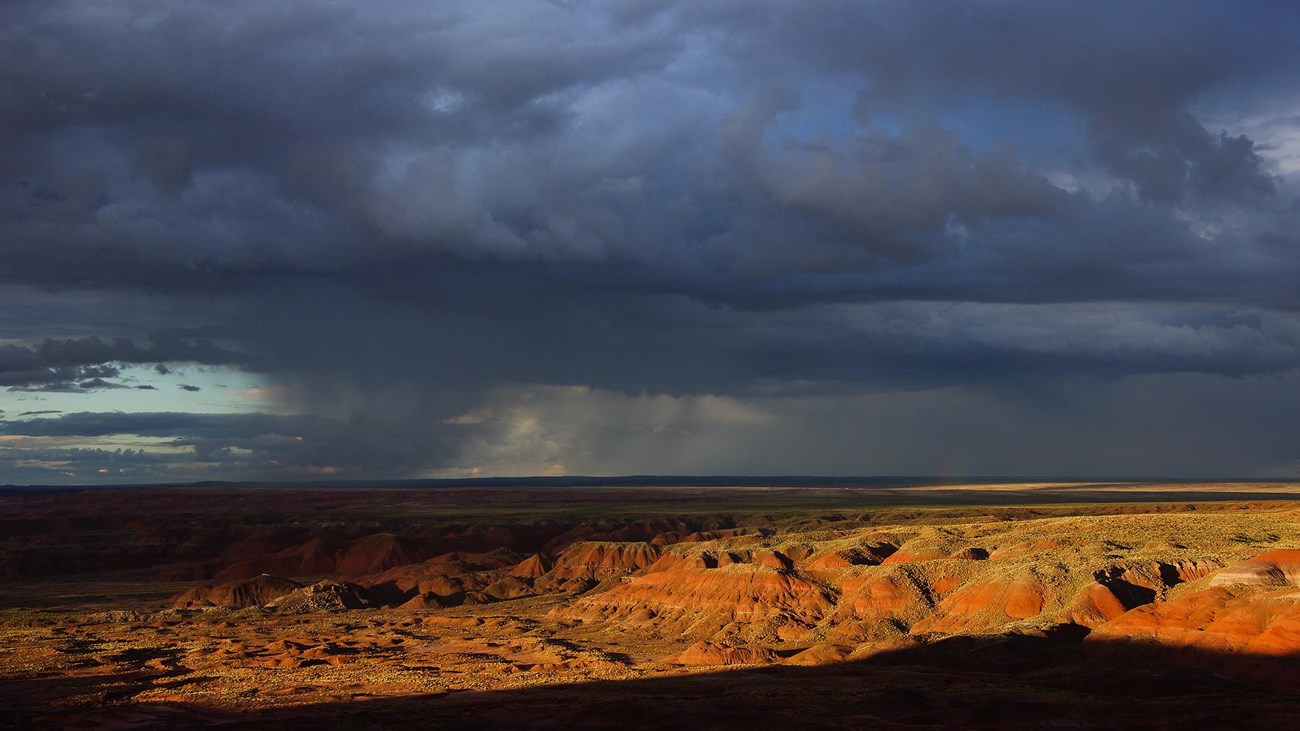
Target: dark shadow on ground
(979,683)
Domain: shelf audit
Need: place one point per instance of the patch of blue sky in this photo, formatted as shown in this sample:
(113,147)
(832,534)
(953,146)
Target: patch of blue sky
(828,110)
(1043,134)
(211,390)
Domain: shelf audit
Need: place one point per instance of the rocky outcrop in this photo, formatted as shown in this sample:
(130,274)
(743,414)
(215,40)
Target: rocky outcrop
(324,596)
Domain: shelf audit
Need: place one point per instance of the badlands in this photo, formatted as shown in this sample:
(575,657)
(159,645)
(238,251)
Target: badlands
(885,605)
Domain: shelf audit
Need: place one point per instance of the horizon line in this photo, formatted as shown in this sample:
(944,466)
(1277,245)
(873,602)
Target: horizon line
(674,480)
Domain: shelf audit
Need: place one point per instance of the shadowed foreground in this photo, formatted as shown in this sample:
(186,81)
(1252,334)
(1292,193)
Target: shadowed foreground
(1008,682)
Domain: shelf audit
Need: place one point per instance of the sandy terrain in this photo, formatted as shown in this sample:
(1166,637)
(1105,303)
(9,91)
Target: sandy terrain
(1079,605)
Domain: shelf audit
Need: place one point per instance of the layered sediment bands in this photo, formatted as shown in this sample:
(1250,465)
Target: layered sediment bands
(1272,568)
(1093,605)
(1252,606)
(986,604)
(748,601)
(1225,619)
(842,588)
(878,603)
(582,565)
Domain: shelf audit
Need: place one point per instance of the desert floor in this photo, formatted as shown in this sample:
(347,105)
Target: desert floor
(1052,605)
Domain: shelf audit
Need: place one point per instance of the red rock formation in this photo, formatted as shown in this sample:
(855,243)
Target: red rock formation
(583,564)
(313,558)
(444,577)
(1094,605)
(821,654)
(238,594)
(1184,570)
(1272,568)
(985,605)
(880,596)
(877,603)
(1256,620)
(741,599)
(376,553)
(773,560)
(670,561)
(532,567)
(1249,607)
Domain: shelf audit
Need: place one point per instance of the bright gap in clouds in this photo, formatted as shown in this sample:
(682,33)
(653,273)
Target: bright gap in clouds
(140,389)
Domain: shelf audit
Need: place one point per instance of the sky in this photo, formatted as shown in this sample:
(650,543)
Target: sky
(401,239)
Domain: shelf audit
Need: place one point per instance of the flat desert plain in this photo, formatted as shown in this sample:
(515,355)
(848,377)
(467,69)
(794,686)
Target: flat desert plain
(1047,605)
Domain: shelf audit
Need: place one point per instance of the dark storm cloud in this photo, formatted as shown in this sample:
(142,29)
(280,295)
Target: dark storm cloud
(305,140)
(395,209)
(98,384)
(1130,70)
(89,424)
(62,379)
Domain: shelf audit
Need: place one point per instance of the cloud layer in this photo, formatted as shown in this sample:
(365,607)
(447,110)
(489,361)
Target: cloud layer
(399,215)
